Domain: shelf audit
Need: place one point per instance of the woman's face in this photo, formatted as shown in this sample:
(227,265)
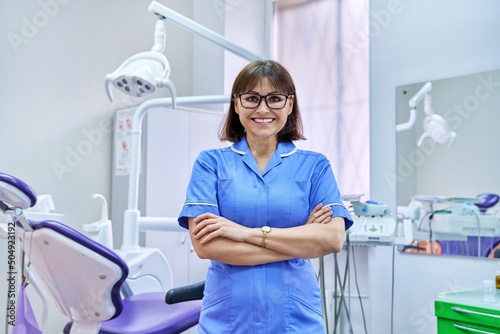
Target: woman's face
(260,121)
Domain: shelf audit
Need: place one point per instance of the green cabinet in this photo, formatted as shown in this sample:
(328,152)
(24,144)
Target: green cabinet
(467,312)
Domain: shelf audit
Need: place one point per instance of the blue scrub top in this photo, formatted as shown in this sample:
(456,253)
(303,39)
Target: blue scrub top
(279,297)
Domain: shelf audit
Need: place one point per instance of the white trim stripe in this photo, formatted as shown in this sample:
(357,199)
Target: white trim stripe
(289,153)
(237,151)
(336,204)
(200,203)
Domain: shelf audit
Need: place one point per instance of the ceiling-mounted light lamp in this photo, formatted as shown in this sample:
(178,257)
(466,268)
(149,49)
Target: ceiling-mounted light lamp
(144,72)
(435,126)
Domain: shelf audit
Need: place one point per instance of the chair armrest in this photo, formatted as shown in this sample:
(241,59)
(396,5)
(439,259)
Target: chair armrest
(185,293)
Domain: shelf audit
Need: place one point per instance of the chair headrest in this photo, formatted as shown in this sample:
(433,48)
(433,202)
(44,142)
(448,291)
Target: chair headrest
(15,192)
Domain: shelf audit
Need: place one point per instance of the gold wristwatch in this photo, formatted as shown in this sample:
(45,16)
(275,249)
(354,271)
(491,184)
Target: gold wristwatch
(265,230)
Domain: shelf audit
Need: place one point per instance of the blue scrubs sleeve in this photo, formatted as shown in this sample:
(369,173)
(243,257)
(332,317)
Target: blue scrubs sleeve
(325,190)
(201,194)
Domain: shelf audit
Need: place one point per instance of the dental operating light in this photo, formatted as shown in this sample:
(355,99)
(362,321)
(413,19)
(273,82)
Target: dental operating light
(144,72)
(435,126)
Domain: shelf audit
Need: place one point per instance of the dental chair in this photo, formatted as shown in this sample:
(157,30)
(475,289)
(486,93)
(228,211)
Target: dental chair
(85,278)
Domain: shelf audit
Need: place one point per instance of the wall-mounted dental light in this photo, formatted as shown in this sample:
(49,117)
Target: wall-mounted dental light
(144,72)
(435,126)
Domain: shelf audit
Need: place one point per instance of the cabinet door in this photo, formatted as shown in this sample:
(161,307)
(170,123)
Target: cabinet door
(450,326)
(466,317)
(174,138)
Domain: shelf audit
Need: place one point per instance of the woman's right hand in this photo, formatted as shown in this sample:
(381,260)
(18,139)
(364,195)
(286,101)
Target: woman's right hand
(320,214)
(209,226)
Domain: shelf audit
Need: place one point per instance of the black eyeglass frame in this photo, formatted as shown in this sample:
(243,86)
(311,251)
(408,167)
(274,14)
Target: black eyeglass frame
(265,99)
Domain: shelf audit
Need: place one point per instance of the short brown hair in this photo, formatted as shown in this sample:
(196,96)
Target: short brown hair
(232,130)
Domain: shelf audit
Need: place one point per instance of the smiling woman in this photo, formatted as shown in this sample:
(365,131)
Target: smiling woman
(246,204)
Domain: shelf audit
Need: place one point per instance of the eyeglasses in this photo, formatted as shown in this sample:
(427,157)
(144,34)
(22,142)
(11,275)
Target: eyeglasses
(273,101)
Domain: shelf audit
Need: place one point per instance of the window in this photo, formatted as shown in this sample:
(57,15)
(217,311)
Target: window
(324,45)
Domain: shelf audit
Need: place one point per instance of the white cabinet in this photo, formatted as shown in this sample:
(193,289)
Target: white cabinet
(174,138)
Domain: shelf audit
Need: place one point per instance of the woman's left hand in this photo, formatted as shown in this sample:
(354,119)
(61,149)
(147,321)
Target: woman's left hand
(210,226)
(320,215)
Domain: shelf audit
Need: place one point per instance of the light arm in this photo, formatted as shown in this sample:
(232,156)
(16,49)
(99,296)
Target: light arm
(132,215)
(159,36)
(202,31)
(423,93)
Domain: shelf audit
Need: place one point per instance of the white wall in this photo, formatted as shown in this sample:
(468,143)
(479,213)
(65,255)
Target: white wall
(415,41)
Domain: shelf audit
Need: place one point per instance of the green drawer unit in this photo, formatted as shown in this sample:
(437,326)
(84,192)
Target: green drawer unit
(467,311)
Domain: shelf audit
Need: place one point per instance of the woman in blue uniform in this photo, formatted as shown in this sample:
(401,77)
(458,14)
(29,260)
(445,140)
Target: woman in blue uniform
(259,210)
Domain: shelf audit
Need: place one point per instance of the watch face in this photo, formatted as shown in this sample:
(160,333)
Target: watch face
(266,229)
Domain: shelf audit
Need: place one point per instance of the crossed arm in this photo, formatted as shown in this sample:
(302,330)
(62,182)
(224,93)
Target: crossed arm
(220,239)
